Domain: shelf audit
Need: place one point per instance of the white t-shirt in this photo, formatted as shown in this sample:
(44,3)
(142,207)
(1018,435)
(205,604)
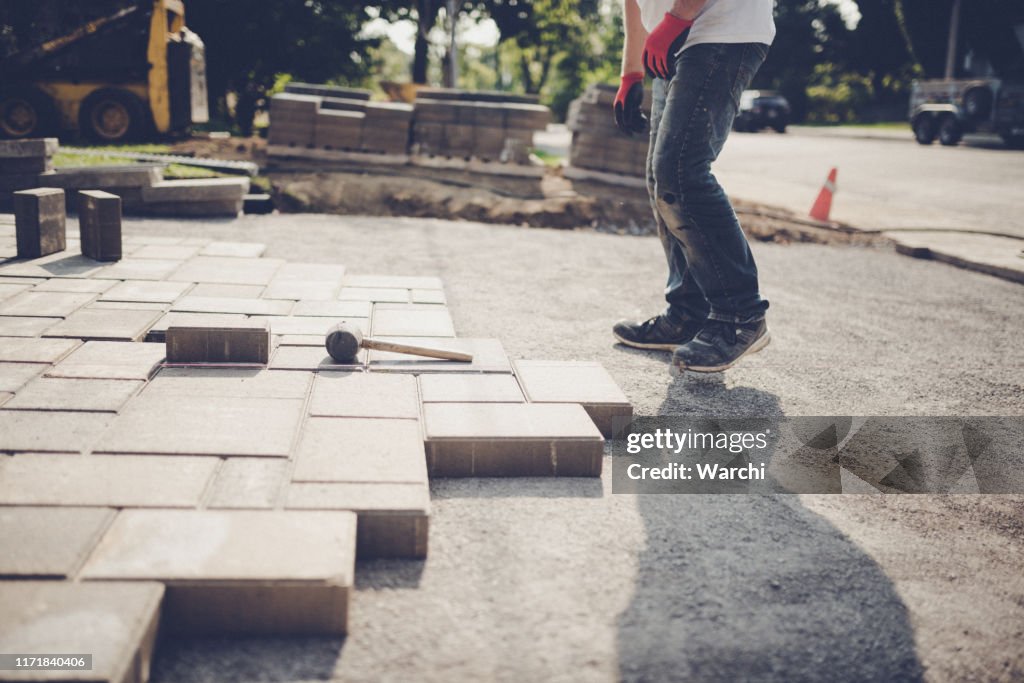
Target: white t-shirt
(721,21)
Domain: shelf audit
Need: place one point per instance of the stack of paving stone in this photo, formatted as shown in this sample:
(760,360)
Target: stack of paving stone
(333,123)
(597,144)
(488,126)
(141,187)
(231,497)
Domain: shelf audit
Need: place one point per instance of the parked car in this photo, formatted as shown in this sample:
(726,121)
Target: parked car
(760,109)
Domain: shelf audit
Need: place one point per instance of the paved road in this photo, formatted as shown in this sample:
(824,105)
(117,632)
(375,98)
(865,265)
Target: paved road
(560,580)
(882,183)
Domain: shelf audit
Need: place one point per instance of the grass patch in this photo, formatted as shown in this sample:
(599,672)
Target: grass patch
(70,159)
(548,158)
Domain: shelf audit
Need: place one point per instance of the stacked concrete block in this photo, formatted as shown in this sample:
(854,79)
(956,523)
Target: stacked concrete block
(386,127)
(245,342)
(337,123)
(338,129)
(21,163)
(489,130)
(293,119)
(99,221)
(320,90)
(597,144)
(39,216)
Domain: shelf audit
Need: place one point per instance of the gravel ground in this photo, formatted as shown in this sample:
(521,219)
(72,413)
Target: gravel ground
(561,580)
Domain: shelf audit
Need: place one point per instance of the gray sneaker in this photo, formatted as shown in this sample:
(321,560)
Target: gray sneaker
(656,333)
(720,344)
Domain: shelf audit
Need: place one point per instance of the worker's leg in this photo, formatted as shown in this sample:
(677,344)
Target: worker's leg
(700,105)
(687,308)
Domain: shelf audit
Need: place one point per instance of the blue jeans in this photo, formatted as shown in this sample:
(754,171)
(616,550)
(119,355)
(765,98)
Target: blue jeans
(711,272)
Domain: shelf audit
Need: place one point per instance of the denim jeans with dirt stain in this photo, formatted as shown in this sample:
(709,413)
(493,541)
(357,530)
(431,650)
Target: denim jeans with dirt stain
(712,273)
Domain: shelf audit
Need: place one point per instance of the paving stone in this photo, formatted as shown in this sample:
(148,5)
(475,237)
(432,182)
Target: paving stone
(146,291)
(129,306)
(5,396)
(511,439)
(23,350)
(203,425)
(393,281)
(174,252)
(66,284)
(294,324)
(60,264)
(219,290)
(58,393)
(314,281)
(428,296)
(140,269)
(316,340)
(228,383)
(99,224)
(470,388)
(360,394)
(234,249)
(411,320)
(249,483)
(195,190)
(47,542)
(69,432)
(115,622)
(158,331)
(237,571)
(583,382)
(393,518)
(227,270)
(374,294)
(25,327)
(31,147)
(242,342)
(332,309)
(45,304)
(39,216)
(13,376)
(203,304)
(104,480)
(311,358)
(105,324)
(334,449)
(488,356)
(9,290)
(110,360)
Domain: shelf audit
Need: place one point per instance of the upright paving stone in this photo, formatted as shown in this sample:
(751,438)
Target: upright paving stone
(158,331)
(255,572)
(360,450)
(40,221)
(511,439)
(114,622)
(48,542)
(110,360)
(360,394)
(104,480)
(244,342)
(105,324)
(393,518)
(99,221)
(583,382)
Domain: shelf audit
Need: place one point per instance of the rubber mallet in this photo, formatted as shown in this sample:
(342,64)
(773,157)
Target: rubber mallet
(345,340)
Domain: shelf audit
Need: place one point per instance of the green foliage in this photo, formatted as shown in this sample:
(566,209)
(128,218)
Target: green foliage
(837,96)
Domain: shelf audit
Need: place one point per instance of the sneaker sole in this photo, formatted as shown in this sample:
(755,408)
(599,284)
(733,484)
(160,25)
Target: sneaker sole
(754,348)
(649,347)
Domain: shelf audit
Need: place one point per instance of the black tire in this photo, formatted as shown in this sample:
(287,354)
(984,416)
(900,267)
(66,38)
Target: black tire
(978,104)
(26,113)
(950,131)
(111,116)
(780,128)
(925,129)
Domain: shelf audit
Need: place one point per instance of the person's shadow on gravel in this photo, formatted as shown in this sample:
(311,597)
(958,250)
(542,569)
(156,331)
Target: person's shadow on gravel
(749,587)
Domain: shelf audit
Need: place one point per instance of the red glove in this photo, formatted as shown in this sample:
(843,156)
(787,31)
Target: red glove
(629,116)
(663,43)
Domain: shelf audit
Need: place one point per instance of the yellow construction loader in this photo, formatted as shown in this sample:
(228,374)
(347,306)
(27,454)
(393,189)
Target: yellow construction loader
(127,75)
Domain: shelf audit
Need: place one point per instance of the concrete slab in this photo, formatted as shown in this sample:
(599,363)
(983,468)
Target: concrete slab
(58,393)
(983,253)
(146,291)
(411,320)
(66,284)
(24,326)
(175,252)
(228,383)
(242,342)
(583,382)
(246,306)
(104,480)
(158,331)
(220,290)
(269,572)
(470,388)
(204,425)
(393,281)
(393,518)
(228,270)
(315,281)
(114,622)
(61,264)
(132,268)
(105,324)
(110,360)
(360,450)
(67,432)
(488,356)
(234,249)
(311,358)
(9,290)
(24,350)
(332,309)
(249,483)
(360,394)
(48,542)
(13,376)
(45,304)
(375,294)
(294,324)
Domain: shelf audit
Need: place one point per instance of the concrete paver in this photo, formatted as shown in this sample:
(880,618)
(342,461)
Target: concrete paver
(360,450)
(26,350)
(411,320)
(360,394)
(146,291)
(488,356)
(60,393)
(105,324)
(248,483)
(25,327)
(110,360)
(48,542)
(470,388)
(227,270)
(13,376)
(45,304)
(64,432)
(228,383)
(583,382)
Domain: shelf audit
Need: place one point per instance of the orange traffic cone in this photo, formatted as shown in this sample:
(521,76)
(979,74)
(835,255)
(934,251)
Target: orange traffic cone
(823,204)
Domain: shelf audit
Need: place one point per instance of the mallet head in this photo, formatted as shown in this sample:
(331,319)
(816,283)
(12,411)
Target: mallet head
(343,342)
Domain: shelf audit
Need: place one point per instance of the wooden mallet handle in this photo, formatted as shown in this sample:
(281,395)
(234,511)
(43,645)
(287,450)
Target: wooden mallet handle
(443,354)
